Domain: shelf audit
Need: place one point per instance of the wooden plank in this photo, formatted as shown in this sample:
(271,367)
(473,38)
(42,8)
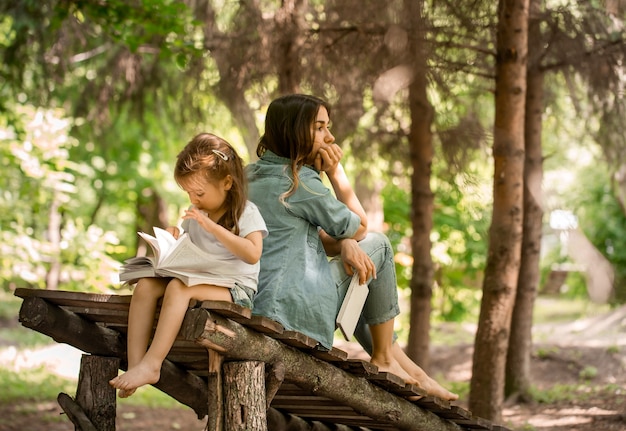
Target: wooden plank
(387,380)
(264,325)
(358,367)
(224,308)
(332,355)
(63,297)
(296,339)
(434,404)
(455,413)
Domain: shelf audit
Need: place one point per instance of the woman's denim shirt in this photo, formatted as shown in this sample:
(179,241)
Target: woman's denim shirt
(296,287)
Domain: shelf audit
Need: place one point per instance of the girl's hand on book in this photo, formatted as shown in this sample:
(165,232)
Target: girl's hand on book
(174,231)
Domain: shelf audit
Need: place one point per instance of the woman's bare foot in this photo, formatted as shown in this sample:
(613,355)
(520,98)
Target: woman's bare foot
(435,389)
(141,374)
(394,367)
(425,382)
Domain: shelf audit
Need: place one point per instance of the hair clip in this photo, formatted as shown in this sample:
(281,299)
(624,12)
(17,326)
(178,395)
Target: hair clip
(221,154)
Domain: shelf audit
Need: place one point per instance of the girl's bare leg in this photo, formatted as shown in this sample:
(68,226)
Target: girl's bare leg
(383,352)
(175,304)
(141,313)
(425,381)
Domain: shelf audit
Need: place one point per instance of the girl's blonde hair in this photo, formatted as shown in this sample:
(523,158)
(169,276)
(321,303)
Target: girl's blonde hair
(215,159)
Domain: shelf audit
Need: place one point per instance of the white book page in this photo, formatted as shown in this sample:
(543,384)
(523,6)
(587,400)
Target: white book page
(152,242)
(188,256)
(166,243)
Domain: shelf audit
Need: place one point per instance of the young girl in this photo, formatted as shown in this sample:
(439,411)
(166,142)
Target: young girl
(222,222)
(298,285)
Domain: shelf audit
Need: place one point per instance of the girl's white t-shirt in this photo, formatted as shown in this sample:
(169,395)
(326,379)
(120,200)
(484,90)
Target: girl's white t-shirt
(226,268)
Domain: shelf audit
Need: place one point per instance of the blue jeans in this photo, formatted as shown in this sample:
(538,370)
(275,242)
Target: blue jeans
(382,301)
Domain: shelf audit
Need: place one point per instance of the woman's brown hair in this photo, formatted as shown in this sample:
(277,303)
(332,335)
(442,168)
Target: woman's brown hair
(288,134)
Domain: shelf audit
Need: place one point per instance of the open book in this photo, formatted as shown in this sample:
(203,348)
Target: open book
(351,307)
(179,258)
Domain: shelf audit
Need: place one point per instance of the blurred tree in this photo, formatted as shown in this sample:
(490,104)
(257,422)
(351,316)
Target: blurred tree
(505,235)
(599,47)
(421,152)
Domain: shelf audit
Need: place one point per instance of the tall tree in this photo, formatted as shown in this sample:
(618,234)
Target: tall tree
(554,35)
(520,341)
(505,235)
(421,154)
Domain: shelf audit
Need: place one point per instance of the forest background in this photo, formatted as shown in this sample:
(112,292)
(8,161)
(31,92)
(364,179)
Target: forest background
(487,140)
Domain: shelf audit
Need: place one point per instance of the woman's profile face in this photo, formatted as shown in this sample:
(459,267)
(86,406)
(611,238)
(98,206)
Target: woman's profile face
(320,130)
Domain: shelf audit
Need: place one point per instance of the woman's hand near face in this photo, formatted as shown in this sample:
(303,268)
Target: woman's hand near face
(328,157)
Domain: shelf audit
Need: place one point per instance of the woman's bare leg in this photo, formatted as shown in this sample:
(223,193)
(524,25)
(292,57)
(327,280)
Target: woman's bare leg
(383,354)
(175,304)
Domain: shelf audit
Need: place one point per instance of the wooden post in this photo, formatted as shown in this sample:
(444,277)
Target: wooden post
(94,394)
(244,396)
(215,421)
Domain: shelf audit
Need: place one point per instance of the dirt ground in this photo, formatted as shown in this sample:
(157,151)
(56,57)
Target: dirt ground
(582,364)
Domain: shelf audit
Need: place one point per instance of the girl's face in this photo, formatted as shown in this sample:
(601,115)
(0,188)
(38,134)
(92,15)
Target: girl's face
(321,132)
(208,196)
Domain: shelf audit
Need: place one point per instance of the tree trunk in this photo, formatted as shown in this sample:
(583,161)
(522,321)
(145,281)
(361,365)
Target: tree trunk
(421,153)
(229,54)
(244,396)
(54,239)
(152,211)
(505,236)
(287,55)
(520,341)
(94,394)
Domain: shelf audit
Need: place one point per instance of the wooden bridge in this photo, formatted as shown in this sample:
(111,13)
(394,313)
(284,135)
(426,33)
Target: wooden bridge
(242,372)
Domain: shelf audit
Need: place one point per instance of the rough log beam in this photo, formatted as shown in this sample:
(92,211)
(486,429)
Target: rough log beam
(66,327)
(238,342)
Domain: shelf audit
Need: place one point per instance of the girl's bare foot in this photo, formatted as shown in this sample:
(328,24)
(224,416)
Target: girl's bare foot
(125,393)
(141,374)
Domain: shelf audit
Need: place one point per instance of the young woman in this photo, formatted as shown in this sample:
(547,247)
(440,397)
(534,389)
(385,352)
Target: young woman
(298,285)
(222,222)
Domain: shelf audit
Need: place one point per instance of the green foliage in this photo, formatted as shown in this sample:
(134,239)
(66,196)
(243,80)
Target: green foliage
(603,221)
(460,224)
(42,185)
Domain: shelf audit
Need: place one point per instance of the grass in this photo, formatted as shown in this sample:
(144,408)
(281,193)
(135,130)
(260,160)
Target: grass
(9,305)
(557,310)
